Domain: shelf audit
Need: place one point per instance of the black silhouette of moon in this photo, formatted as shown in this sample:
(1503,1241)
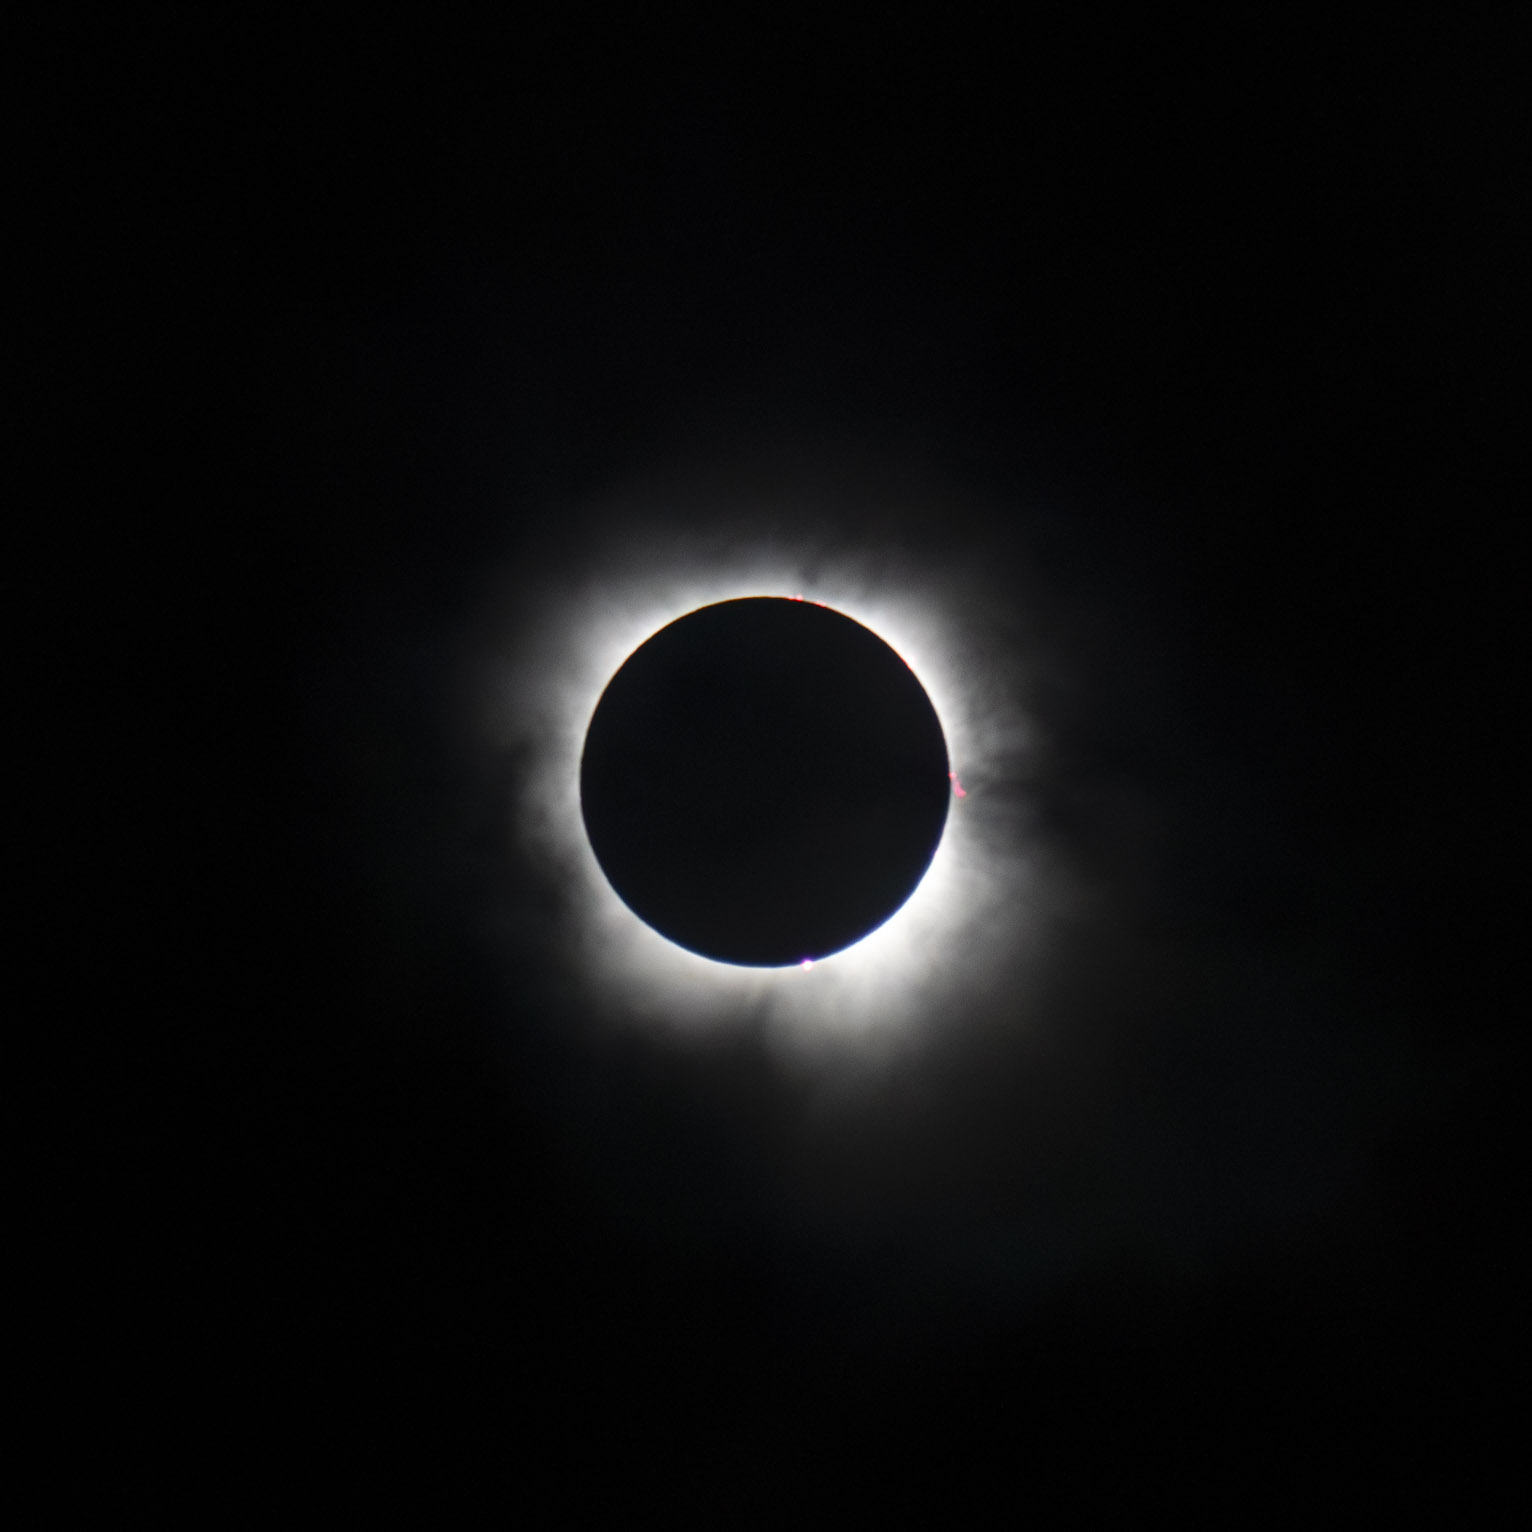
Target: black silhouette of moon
(764,781)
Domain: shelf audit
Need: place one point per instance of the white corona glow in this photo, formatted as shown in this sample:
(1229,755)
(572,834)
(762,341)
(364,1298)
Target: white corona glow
(972,918)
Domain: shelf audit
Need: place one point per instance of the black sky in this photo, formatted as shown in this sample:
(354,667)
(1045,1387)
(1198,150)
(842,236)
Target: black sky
(1204,335)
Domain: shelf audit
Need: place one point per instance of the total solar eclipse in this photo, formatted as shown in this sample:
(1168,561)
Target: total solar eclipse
(764,781)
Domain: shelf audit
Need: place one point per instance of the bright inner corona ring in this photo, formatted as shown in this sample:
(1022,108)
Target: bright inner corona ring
(968,921)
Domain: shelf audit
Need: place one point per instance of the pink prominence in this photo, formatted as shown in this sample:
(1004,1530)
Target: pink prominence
(957,787)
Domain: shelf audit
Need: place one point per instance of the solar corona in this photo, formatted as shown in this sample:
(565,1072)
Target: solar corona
(765,784)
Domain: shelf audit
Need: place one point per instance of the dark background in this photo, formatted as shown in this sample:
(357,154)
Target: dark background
(324,328)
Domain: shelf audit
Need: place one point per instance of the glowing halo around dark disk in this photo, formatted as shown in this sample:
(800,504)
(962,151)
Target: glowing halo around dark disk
(764,782)
(977,918)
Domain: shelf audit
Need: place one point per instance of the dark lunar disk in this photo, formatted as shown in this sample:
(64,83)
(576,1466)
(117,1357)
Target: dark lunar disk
(764,781)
